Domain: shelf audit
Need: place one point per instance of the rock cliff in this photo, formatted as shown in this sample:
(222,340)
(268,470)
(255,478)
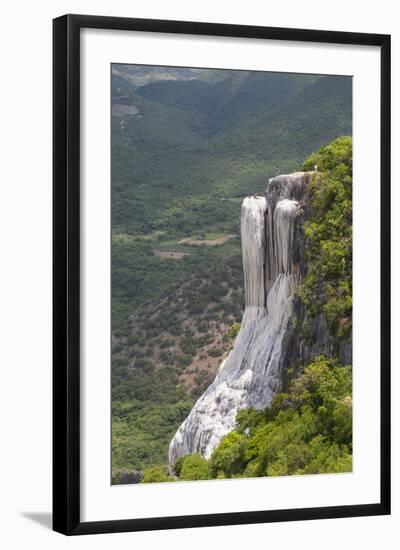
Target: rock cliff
(268,342)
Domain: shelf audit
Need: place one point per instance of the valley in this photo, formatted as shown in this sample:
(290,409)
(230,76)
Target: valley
(185,152)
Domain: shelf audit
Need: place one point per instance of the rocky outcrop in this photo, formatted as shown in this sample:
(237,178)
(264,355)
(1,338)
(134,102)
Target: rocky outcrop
(266,345)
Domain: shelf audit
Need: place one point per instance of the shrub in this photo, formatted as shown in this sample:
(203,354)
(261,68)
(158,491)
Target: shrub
(215,352)
(306,430)
(229,455)
(327,286)
(156,474)
(194,467)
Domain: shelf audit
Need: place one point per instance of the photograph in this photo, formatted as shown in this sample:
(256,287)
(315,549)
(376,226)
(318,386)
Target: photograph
(198,219)
(231,274)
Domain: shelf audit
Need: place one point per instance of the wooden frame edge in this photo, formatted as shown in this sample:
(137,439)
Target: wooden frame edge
(66,265)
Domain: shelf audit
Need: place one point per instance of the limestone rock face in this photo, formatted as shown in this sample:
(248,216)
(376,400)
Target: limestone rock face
(250,375)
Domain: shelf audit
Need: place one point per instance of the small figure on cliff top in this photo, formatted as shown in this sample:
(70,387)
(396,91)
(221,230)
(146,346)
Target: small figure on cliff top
(315,168)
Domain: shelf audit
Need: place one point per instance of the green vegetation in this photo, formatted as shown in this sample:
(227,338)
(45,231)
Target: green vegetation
(194,467)
(142,431)
(327,287)
(197,143)
(156,474)
(155,378)
(307,430)
(139,277)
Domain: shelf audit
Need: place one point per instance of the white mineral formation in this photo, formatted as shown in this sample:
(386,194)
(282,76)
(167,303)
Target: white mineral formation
(250,375)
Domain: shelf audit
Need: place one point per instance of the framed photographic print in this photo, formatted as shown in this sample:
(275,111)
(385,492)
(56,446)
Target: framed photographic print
(221,274)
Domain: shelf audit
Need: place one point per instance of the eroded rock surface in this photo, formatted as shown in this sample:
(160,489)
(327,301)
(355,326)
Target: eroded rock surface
(251,374)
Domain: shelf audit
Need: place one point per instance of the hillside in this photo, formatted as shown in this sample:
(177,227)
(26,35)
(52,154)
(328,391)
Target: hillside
(203,139)
(184,153)
(306,428)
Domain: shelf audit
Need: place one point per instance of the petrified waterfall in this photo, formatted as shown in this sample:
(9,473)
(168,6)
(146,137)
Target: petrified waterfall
(250,375)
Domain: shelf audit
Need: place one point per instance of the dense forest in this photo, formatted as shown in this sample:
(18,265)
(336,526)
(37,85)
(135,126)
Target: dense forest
(184,153)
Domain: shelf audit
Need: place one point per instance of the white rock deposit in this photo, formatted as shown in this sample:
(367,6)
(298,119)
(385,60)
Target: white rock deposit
(250,375)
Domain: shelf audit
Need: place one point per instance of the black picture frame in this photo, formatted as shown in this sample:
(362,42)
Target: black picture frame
(66,273)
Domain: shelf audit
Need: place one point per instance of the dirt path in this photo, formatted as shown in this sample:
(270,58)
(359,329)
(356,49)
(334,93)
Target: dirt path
(170,254)
(206,242)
